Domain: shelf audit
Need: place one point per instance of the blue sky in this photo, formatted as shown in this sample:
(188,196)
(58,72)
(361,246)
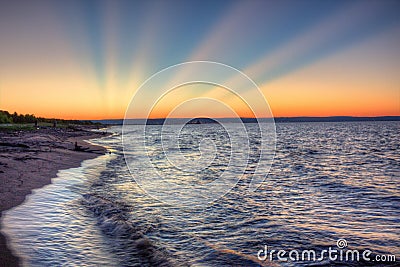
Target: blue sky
(121,41)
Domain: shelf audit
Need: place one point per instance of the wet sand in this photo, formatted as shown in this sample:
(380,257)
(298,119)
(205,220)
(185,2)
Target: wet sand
(30,159)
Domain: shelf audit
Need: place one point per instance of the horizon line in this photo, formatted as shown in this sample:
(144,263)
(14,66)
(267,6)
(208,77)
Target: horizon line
(280,117)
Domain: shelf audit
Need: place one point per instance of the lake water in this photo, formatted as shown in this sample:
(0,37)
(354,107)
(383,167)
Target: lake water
(328,181)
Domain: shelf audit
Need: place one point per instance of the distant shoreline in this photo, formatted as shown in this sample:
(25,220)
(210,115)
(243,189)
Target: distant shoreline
(249,120)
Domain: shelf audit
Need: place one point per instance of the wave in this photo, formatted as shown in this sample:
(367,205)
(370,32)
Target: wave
(113,220)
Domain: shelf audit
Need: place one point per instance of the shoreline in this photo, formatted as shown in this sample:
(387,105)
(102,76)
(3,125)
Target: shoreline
(30,159)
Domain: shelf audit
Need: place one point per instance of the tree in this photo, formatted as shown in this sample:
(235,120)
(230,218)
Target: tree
(5,117)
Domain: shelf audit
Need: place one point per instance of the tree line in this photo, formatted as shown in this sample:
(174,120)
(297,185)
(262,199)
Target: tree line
(6,117)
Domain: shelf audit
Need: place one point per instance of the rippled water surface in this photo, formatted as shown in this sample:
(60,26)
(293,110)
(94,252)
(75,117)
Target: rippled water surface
(327,181)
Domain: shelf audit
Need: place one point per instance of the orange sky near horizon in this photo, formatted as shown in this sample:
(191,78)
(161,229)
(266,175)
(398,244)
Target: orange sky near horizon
(330,87)
(344,84)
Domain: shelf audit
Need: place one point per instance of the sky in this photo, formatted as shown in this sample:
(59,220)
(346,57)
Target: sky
(86,59)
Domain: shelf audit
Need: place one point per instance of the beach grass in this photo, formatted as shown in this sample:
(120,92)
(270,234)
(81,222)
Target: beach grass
(31,126)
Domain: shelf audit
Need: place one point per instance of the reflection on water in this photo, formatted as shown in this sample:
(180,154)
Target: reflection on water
(328,181)
(52,228)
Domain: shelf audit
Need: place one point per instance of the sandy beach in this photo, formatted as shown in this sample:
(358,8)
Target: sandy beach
(30,159)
